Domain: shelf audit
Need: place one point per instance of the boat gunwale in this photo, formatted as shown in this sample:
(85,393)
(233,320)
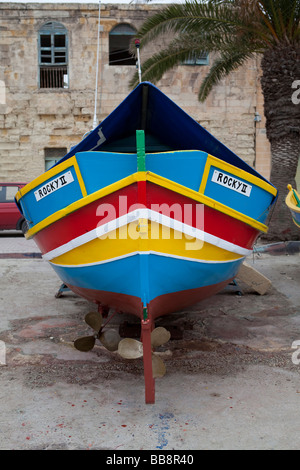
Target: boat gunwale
(289,201)
(134,178)
(211,160)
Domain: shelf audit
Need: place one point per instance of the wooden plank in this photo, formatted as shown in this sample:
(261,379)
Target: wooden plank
(254,279)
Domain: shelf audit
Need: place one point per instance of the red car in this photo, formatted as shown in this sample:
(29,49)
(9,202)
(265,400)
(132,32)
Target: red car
(10,216)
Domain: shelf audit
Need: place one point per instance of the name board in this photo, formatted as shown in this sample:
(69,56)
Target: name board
(232,183)
(53,185)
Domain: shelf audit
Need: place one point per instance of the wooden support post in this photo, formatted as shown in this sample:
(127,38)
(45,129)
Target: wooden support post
(103,310)
(147,358)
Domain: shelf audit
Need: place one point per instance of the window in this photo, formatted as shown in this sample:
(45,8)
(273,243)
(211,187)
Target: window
(53,155)
(7,193)
(199,59)
(53,56)
(119,43)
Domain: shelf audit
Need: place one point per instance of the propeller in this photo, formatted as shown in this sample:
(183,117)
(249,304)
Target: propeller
(109,338)
(133,349)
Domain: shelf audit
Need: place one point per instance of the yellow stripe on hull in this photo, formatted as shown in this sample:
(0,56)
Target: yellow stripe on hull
(296,223)
(142,236)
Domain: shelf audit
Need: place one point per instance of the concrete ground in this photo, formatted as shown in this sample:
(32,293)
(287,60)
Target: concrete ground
(232,377)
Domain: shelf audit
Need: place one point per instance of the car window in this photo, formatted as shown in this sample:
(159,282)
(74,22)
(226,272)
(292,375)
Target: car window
(7,193)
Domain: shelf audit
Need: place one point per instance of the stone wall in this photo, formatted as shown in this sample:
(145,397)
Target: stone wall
(33,119)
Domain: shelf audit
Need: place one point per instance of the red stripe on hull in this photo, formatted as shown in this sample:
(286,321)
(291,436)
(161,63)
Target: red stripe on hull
(162,305)
(121,302)
(166,201)
(86,218)
(169,303)
(215,223)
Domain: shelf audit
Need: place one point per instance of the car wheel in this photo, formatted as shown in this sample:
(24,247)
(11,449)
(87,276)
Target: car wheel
(24,226)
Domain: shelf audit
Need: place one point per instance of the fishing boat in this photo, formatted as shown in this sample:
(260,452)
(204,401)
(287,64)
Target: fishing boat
(147,215)
(293,202)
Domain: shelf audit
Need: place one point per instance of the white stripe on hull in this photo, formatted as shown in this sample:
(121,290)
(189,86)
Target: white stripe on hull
(152,216)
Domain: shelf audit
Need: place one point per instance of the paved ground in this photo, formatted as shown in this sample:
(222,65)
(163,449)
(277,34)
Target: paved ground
(232,377)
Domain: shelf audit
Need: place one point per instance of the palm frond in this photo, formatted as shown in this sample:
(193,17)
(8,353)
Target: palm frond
(154,68)
(196,16)
(190,44)
(281,17)
(293,23)
(222,67)
(234,29)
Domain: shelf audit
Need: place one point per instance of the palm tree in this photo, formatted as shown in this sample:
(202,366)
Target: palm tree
(235,31)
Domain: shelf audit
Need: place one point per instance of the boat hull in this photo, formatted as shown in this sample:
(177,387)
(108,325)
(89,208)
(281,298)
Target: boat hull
(148,214)
(127,250)
(160,283)
(163,305)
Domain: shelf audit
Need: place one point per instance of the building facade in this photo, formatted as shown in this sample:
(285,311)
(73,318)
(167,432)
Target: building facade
(48,57)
